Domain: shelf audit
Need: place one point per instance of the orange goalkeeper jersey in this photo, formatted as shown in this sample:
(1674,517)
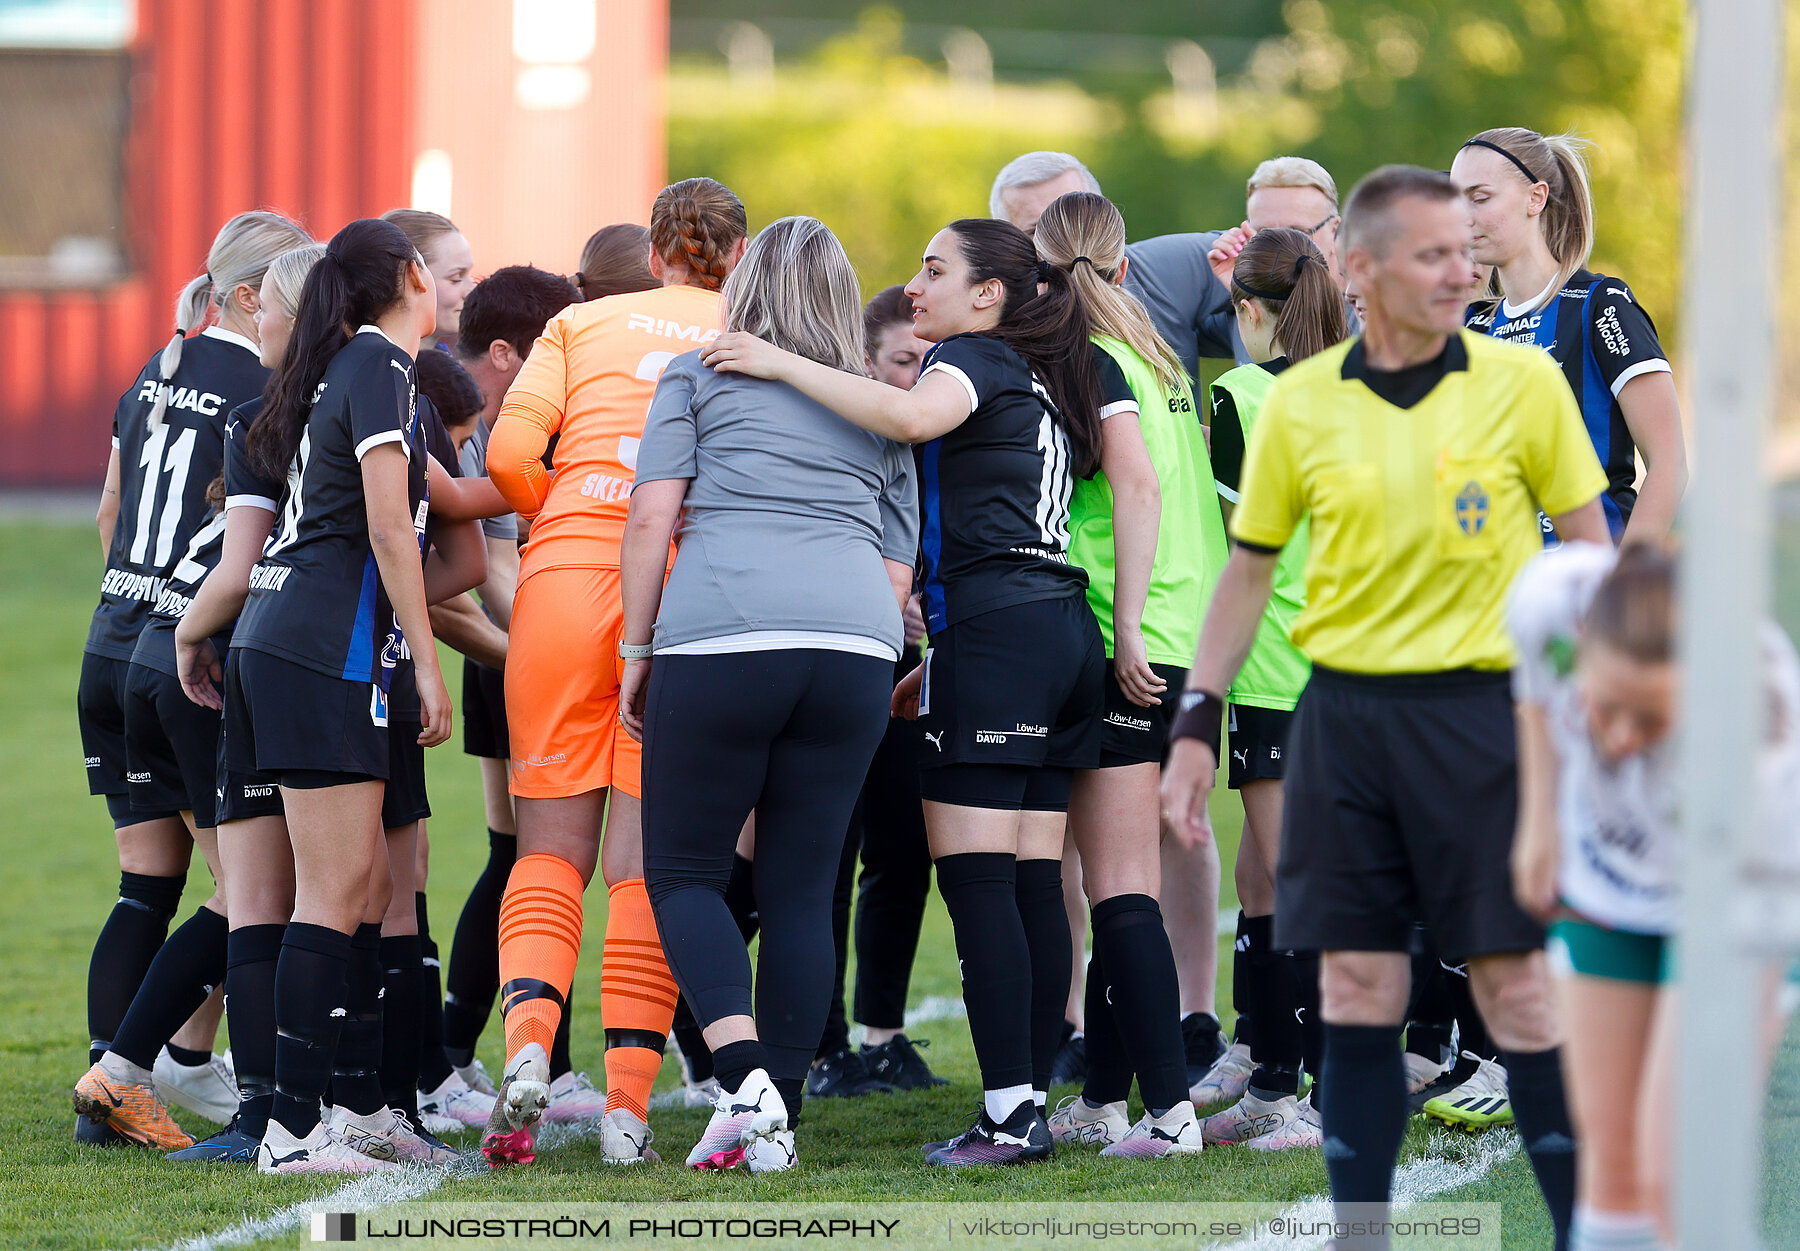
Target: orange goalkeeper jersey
(588,382)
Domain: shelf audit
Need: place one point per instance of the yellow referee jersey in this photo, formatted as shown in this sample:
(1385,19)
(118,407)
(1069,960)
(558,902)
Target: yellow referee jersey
(1421,516)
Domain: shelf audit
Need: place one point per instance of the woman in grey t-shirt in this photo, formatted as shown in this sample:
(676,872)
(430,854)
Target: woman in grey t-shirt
(774,641)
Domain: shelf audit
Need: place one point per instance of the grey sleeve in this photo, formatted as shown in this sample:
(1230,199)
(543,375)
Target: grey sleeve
(1189,305)
(671,436)
(900,508)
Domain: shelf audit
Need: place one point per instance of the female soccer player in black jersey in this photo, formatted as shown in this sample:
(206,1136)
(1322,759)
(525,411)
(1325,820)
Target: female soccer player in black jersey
(337,599)
(168,438)
(1007,413)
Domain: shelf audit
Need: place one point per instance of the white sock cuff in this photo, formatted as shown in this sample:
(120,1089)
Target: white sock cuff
(999,1104)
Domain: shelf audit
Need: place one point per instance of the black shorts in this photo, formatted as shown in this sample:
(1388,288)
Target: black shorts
(242,794)
(484,712)
(1131,733)
(298,726)
(1258,744)
(171,749)
(1008,692)
(100,709)
(404,801)
(1401,794)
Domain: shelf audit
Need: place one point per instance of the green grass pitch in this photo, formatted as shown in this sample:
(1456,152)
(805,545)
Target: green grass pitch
(62,870)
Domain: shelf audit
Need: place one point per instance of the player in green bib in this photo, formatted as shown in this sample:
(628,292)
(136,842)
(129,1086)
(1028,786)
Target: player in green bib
(1288,308)
(1150,573)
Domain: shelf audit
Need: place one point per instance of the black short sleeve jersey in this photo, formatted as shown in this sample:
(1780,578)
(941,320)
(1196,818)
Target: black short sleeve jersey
(315,596)
(396,656)
(163,476)
(156,643)
(994,492)
(1602,338)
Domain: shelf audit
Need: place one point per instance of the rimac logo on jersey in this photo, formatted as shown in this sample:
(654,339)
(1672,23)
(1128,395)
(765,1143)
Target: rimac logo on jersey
(1472,509)
(203,402)
(700,335)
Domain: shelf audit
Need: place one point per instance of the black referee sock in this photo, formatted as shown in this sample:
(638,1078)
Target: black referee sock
(311,982)
(251,954)
(434,1065)
(1253,934)
(178,981)
(1534,1080)
(979,890)
(1038,889)
(1146,996)
(402,988)
(473,978)
(1108,1067)
(1275,994)
(356,1071)
(740,896)
(126,945)
(1363,1110)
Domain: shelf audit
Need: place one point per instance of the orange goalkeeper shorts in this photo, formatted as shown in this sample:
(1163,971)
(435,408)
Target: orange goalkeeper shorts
(562,687)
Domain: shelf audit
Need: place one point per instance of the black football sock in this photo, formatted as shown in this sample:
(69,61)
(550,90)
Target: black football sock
(126,945)
(1431,1016)
(1253,935)
(740,896)
(979,890)
(402,986)
(1275,992)
(311,982)
(1108,1067)
(1146,996)
(735,1061)
(1038,889)
(251,954)
(1260,963)
(793,1092)
(178,981)
(1312,1022)
(473,978)
(434,1065)
(187,1057)
(356,1071)
(1363,1111)
(692,1042)
(1471,1031)
(1534,1080)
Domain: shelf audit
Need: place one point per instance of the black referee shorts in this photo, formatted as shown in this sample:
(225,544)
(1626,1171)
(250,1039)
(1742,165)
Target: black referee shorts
(171,749)
(1131,733)
(484,712)
(1401,795)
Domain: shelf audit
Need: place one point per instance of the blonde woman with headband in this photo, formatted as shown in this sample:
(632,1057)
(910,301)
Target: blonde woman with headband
(1148,531)
(1534,223)
(168,442)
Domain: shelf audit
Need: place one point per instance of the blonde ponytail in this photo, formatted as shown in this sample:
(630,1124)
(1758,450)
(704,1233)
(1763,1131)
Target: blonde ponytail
(1084,234)
(1558,162)
(241,254)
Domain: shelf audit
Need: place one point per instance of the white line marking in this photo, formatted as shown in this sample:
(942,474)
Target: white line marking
(1457,1162)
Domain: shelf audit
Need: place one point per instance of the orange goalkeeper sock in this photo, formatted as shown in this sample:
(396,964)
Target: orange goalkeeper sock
(540,941)
(637,999)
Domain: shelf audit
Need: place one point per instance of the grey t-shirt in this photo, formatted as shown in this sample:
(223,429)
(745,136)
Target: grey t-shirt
(473,462)
(1188,304)
(789,512)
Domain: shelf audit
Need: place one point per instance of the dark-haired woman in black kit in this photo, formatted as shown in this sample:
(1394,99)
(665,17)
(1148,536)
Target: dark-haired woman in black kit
(337,599)
(1007,413)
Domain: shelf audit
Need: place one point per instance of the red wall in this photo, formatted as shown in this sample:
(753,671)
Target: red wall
(303,106)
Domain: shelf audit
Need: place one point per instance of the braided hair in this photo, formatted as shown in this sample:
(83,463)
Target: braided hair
(694,224)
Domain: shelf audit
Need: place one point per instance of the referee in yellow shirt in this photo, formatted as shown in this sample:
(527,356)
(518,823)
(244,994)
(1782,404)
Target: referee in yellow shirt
(1422,454)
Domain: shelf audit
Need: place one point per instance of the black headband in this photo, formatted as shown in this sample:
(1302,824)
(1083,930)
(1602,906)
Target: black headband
(1517,163)
(1261,295)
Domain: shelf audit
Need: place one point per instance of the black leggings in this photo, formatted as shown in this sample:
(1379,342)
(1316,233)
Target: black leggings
(790,735)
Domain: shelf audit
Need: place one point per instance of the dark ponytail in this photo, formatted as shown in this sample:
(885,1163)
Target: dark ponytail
(361,276)
(1050,330)
(1285,271)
